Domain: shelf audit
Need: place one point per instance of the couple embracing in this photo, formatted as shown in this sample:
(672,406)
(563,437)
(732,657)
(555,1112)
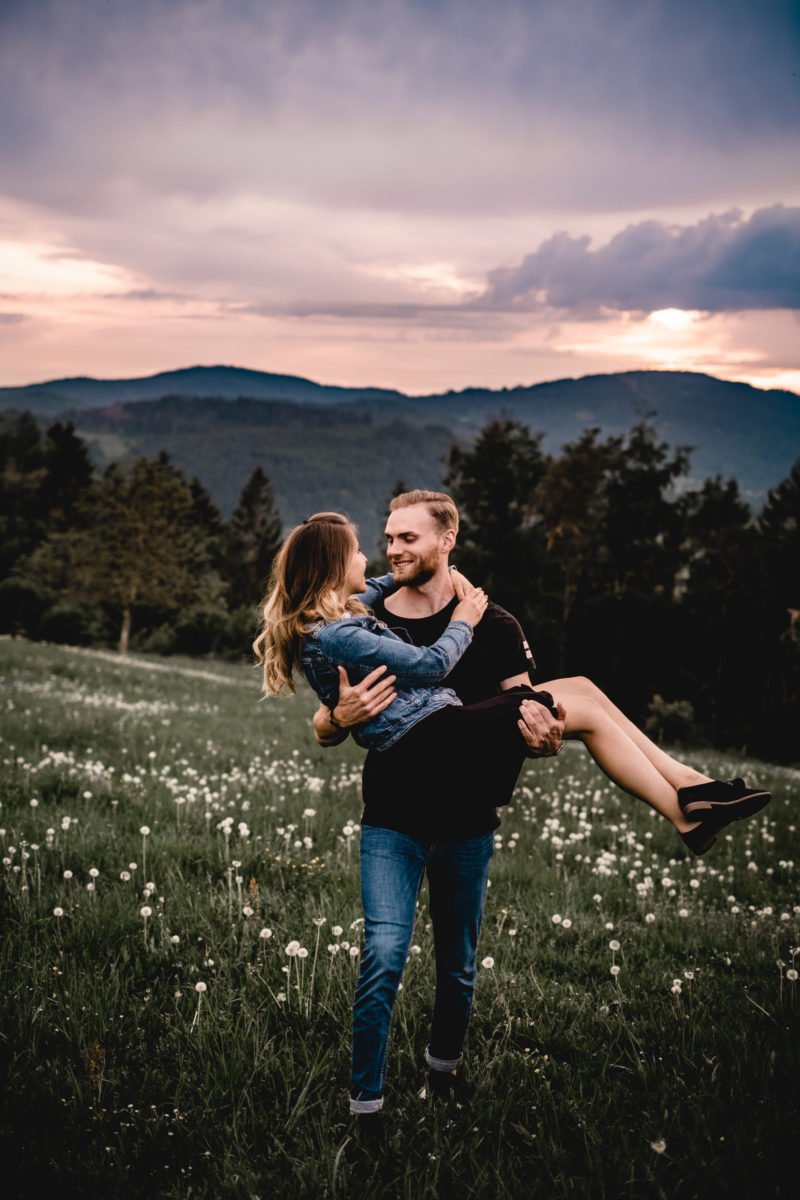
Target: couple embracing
(433,680)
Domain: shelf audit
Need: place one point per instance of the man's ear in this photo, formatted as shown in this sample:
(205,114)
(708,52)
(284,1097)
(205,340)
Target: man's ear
(448,540)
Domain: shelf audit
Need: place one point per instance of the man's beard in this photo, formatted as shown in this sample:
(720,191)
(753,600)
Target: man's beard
(421,570)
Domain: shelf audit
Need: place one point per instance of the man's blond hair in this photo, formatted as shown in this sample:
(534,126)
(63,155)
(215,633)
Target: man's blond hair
(440,507)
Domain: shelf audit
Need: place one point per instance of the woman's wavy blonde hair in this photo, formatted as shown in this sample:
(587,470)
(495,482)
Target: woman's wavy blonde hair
(305,585)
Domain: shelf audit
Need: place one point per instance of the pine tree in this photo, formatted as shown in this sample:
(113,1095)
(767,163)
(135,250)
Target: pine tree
(137,545)
(253,540)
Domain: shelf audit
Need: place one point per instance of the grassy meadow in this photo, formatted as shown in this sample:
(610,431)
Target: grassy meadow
(166,836)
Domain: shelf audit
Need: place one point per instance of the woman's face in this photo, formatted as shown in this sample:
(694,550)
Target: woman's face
(355,580)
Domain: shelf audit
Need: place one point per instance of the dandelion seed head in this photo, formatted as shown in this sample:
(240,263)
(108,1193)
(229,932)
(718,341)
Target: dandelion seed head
(614,970)
(145,830)
(146,911)
(791,975)
(659,1145)
(265,934)
(58,912)
(487,962)
(201,987)
(613,944)
(556,918)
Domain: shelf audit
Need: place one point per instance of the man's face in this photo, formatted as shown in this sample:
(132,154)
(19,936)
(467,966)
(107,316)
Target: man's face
(415,546)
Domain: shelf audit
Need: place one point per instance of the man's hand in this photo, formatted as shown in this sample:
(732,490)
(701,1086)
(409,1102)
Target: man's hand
(540,729)
(355,705)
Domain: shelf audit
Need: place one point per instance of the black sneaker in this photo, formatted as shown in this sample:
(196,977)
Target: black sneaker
(724,800)
(448,1085)
(370,1129)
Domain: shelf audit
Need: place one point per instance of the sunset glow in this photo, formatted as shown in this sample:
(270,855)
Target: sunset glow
(275,188)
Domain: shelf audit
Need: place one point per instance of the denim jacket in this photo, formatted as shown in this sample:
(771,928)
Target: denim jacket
(361,643)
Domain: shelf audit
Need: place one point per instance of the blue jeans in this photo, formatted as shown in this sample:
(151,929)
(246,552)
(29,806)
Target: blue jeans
(392,867)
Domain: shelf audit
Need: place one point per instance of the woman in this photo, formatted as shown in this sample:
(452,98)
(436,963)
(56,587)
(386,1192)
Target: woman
(316,619)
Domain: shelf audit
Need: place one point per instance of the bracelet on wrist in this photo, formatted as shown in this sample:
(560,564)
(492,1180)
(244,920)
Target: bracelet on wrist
(332,718)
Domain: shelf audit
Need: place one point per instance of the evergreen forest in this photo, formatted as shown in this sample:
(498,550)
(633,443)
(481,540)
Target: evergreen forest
(680,602)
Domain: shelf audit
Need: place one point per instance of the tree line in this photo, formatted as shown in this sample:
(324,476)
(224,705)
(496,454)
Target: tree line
(678,601)
(136,551)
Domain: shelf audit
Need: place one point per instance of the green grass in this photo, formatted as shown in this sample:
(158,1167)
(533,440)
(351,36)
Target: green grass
(121,1080)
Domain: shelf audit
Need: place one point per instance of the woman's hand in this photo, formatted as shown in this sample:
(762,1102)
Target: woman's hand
(461,585)
(471,608)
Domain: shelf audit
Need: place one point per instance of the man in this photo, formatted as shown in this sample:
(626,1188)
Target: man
(454,844)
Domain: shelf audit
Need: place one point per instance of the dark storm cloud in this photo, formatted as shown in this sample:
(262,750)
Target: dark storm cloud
(446,105)
(721,264)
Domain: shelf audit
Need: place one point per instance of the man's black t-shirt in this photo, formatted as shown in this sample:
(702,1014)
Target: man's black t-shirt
(498,651)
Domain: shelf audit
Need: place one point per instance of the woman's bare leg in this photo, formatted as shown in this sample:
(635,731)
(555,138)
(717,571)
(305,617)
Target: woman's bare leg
(618,755)
(676,773)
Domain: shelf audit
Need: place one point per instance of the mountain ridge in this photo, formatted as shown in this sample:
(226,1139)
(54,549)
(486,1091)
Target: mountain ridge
(326,446)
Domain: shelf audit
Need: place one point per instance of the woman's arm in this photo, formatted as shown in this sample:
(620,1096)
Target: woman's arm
(377,589)
(347,643)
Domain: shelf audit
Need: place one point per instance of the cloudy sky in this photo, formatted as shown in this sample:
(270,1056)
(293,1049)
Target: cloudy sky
(413,193)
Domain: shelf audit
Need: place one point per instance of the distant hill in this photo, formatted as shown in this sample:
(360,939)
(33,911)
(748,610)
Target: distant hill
(332,446)
(227,383)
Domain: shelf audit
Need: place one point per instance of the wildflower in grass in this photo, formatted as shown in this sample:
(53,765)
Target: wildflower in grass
(613,944)
(614,969)
(68,874)
(59,912)
(174,939)
(302,952)
(659,1145)
(93,871)
(201,989)
(487,962)
(281,997)
(292,948)
(649,918)
(144,912)
(597,898)
(265,934)
(683,912)
(556,918)
(247,911)
(354,951)
(677,987)
(566,923)
(337,930)
(791,975)
(34,803)
(125,876)
(318,921)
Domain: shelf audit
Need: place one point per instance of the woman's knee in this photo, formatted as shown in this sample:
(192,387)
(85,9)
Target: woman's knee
(580,685)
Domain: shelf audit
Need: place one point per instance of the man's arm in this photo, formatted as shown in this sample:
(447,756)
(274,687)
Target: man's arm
(540,729)
(354,706)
